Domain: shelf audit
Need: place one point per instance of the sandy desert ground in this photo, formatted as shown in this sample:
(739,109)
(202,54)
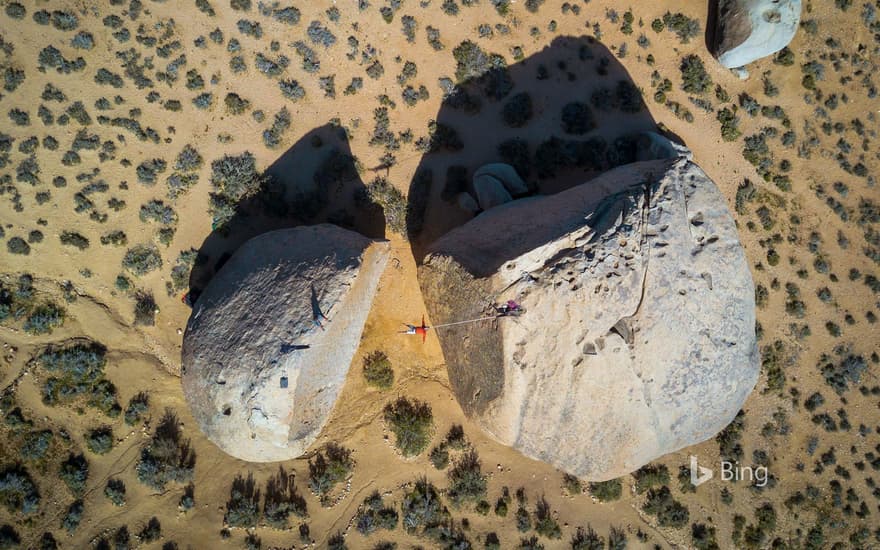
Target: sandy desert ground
(91,173)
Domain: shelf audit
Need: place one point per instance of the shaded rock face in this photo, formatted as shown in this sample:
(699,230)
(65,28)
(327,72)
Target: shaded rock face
(747,30)
(258,373)
(638,331)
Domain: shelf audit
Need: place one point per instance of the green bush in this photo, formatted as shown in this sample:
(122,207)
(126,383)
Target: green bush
(115,491)
(43,318)
(74,472)
(669,512)
(374,515)
(545,525)
(695,79)
(168,457)
(606,491)
(330,466)
(137,407)
(466,480)
(650,476)
(378,371)
(243,506)
(35,445)
(518,110)
(73,516)
(100,440)
(77,371)
(412,423)
(422,509)
(18,492)
(142,259)
(577,118)
(145,308)
(683,26)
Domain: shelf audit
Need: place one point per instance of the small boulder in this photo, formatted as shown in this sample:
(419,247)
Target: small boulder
(467,203)
(506,174)
(270,340)
(747,30)
(490,192)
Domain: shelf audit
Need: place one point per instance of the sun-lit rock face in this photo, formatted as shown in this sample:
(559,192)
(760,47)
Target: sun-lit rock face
(747,30)
(637,335)
(259,373)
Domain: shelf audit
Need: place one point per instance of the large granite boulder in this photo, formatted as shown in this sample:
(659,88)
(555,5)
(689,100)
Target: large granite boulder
(272,336)
(747,30)
(637,331)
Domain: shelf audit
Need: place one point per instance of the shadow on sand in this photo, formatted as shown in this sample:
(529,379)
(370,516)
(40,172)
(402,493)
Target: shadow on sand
(559,117)
(314,181)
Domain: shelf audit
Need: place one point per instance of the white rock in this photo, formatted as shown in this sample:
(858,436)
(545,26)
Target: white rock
(254,327)
(490,192)
(638,332)
(467,203)
(506,174)
(747,30)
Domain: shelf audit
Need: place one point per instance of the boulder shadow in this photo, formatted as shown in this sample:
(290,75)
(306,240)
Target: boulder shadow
(560,117)
(314,181)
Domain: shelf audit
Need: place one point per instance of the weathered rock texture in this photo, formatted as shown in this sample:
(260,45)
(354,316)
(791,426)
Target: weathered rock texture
(747,30)
(638,331)
(255,323)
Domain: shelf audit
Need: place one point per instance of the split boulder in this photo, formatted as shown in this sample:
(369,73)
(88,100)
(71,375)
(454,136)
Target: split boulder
(258,372)
(637,336)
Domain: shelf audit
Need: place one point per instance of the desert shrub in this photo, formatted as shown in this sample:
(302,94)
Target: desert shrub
(17,245)
(669,512)
(281,500)
(142,259)
(12,78)
(840,374)
(116,238)
(683,26)
(74,472)
(412,423)
(71,238)
(235,104)
(545,525)
(168,457)
(729,438)
(320,35)
(145,308)
(100,440)
(77,371)
(378,371)
(272,136)
(374,515)
(18,492)
(439,456)
(148,170)
(422,509)
(150,532)
(729,122)
(243,506)
(650,476)
(138,405)
(203,100)
(606,491)
(35,445)
(43,318)
(329,466)
(115,491)
(392,201)
(466,480)
(694,77)
(577,118)
(187,500)
(518,110)
(233,179)
(587,539)
(73,516)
